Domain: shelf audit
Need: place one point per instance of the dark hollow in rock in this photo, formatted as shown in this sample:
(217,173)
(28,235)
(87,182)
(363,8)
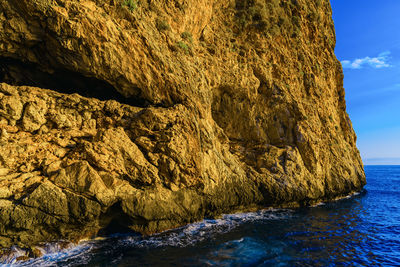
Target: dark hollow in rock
(115,221)
(17,72)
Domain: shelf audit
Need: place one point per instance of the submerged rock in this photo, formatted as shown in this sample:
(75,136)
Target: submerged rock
(157,115)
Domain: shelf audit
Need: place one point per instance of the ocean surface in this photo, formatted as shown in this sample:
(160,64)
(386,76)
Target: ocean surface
(361,230)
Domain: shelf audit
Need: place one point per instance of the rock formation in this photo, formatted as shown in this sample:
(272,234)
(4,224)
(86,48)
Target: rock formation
(152,114)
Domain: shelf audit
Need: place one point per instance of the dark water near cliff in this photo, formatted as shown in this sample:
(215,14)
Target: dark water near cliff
(361,230)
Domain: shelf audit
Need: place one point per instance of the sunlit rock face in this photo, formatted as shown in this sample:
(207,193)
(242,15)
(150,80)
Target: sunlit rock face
(156,114)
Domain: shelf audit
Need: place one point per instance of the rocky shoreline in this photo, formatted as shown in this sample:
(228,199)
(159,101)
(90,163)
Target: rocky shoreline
(63,249)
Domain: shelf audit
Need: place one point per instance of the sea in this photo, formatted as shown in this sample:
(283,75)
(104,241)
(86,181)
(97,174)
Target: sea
(360,230)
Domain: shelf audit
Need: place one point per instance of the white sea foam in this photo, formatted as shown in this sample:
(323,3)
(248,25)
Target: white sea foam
(188,235)
(196,232)
(52,253)
(11,257)
(318,204)
(349,196)
(337,199)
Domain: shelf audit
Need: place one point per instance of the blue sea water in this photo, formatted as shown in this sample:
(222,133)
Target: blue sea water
(362,230)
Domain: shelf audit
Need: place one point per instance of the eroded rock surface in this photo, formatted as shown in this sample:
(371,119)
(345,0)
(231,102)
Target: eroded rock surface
(225,106)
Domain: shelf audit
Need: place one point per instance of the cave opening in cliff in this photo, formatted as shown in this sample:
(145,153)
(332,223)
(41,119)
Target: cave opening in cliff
(17,72)
(115,221)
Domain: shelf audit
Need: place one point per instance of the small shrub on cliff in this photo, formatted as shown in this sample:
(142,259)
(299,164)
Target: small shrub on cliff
(183,46)
(283,22)
(267,17)
(296,21)
(130,4)
(251,13)
(162,25)
(314,17)
(187,36)
(296,32)
(274,30)
(295,3)
(318,3)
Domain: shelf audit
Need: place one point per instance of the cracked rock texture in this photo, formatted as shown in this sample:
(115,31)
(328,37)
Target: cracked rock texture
(222,106)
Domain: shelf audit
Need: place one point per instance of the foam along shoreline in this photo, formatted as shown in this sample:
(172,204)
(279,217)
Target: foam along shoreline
(340,198)
(184,236)
(178,237)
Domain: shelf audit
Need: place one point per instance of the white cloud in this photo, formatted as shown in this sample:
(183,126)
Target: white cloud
(381,61)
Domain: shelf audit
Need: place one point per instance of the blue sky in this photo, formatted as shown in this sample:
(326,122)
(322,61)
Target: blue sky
(368,45)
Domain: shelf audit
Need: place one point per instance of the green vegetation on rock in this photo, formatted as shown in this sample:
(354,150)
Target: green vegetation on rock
(183,46)
(130,4)
(187,36)
(162,25)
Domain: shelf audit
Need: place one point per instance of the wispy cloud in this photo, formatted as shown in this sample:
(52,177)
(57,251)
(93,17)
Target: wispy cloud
(381,61)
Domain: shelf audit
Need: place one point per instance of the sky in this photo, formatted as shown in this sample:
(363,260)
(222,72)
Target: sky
(368,46)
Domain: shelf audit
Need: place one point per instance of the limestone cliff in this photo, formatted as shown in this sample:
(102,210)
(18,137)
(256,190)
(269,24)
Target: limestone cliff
(153,114)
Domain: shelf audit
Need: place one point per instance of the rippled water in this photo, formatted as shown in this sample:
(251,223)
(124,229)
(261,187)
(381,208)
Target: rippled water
(361,230)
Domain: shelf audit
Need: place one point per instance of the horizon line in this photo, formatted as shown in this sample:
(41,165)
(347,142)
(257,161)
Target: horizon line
(382,161)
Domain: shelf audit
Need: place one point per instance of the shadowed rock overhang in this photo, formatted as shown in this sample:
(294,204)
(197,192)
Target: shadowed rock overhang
(18,72)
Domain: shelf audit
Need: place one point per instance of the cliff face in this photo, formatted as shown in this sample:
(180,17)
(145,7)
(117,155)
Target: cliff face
(154,114)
